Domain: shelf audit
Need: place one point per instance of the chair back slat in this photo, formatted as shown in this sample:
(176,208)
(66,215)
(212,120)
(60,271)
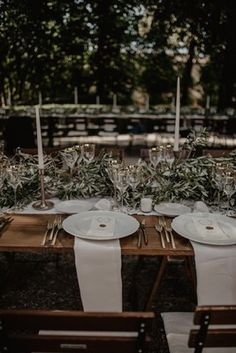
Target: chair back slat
(69,320)
(73,344)
(217,336)
(89,332)
(220,315)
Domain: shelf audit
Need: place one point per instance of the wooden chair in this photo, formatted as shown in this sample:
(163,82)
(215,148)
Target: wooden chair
(218,336)
(75,331)
(184,337)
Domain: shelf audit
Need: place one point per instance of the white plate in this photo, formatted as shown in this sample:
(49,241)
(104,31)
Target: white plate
(74,206)
(79,224)
(171,209)
(200,227)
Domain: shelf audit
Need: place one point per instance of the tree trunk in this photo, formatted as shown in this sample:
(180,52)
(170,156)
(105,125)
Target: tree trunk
(187,79)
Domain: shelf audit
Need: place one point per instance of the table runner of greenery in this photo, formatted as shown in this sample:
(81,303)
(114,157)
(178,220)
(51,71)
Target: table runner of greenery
(187,178)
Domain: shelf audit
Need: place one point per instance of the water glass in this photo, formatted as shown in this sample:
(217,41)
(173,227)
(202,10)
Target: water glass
(88,151)
(156,155)
(122,184)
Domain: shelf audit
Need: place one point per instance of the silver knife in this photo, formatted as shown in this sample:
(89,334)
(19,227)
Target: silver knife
(143,224)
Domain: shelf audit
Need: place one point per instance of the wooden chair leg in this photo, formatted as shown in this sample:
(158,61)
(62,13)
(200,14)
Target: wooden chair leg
(157,283)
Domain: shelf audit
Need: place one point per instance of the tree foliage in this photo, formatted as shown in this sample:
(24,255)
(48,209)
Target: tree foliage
(117,46)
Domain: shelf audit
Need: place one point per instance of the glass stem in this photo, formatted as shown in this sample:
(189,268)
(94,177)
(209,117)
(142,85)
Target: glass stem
(15,198)
(115,197)
(122,201)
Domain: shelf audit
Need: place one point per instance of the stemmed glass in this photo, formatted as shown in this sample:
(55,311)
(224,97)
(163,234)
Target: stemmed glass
(169,155)
(112,170)
(14,173)
(88,152)
(133,180)
(219,173)
(71,156)
(121,181)
(155,156)
(229,189)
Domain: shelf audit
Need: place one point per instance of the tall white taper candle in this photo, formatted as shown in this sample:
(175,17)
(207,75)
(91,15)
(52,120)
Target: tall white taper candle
(39,138)
(147,102)
(75,95)
(40,98)
(114,100)
(208,99)
(177,116)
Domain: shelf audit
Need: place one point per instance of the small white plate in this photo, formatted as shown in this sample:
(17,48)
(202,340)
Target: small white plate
(171,209)
(74,206)
(79,224)
(200,227)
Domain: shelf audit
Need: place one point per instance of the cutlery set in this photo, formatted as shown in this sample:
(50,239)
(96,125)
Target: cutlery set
(163,228)
(51,232)
(165,231)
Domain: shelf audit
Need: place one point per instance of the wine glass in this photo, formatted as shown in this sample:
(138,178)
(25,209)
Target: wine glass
(133,180)
(169,155)
(112,170)
(14,173)
(155,155)
(70,156)
(88,152)
(219,172)
(229,189)
(121,182)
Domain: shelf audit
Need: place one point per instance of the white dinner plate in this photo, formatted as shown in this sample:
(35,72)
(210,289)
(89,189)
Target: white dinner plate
(74,206)
(206,228)
(171,209)
(79,225)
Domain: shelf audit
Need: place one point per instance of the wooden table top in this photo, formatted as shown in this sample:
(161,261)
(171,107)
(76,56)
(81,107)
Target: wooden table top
(25,234)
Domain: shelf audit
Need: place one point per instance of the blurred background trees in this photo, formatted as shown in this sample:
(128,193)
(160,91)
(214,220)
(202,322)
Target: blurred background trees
(118,47)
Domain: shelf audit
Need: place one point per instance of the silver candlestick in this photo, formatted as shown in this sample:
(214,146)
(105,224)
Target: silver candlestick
(42,205)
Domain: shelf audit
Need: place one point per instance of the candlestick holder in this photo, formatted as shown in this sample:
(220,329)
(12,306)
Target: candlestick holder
(42,205)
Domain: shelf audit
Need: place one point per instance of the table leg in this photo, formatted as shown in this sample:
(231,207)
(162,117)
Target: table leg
(157,283)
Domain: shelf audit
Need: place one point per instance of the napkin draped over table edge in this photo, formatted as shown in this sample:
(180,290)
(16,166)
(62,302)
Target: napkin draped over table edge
(98,267)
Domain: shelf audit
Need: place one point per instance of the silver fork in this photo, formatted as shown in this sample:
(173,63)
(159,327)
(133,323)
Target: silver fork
(159,229)
(58,228)
(163,223)
(48,228)
(172,239)
(53,230)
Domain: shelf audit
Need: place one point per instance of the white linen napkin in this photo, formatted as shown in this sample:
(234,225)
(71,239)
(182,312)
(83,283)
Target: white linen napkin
(216,274)
(207,227)
(102,226)
(98,267)
(200,206)
(103,204)
(215,268)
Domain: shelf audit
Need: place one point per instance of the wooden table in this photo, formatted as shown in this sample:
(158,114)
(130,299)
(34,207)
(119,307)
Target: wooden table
(25,234)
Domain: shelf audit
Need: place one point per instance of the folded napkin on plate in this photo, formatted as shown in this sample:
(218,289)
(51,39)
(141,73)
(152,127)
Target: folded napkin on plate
(200,206)
(102,225)
(207,227)
(216,274)
(103,204)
